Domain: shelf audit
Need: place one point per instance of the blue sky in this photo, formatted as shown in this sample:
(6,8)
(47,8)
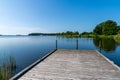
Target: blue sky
(26,16)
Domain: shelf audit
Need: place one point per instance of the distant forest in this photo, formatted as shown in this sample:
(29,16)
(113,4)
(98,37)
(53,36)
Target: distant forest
(38,34)
(108,27)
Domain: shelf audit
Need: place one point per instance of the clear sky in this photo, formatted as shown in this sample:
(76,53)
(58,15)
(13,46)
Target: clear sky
(26,16)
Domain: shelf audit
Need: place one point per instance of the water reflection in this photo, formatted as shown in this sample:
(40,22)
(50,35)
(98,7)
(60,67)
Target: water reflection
(107,44)
(28,49)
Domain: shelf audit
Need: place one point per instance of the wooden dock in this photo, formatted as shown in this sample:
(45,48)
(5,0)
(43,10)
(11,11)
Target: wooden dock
(74,65)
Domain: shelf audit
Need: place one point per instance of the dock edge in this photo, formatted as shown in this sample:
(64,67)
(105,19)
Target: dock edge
(111,62)
(21,73)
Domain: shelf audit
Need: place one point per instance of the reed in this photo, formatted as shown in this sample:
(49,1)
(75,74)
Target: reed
(6,67)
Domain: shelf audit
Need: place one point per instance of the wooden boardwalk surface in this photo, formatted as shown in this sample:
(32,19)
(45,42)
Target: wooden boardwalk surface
(73,65)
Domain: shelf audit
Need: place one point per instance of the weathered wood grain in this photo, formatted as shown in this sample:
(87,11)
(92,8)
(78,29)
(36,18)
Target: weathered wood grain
(73,65)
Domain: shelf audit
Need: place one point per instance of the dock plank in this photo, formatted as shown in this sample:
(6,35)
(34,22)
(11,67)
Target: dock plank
(73,65)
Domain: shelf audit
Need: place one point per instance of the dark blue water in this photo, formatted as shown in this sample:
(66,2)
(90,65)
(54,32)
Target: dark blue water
(27,49)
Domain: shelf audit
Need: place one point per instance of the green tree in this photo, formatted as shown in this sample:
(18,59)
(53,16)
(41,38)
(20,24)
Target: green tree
(98,29)
(118,29)
(69,33)
(76,33)
(119,32)
(86,33)
(108,27)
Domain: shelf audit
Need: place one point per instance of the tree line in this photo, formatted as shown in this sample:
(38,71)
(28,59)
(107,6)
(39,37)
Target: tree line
(108,27)
(69,33)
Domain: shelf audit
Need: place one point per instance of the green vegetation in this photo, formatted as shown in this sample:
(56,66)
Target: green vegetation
(108,27)
(75,34)
(87,34)
(69,34)
(38,34)
(6,68)
(117,38)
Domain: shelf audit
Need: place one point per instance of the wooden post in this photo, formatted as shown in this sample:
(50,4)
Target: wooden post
(100,44)
(77,44)
(56,44)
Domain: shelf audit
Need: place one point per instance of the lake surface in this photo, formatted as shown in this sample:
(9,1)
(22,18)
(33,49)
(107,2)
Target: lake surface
(27,49)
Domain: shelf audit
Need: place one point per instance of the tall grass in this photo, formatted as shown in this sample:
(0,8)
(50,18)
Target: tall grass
(117,38)
(7,66)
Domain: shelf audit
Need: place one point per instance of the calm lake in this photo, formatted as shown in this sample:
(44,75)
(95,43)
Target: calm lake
(27,49)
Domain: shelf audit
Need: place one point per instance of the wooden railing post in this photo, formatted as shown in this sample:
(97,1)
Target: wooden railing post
(77,44)
(100,45)
(56,44)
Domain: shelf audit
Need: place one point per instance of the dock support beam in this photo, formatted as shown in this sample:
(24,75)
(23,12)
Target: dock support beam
(100,45)
(56,44)
(77,44)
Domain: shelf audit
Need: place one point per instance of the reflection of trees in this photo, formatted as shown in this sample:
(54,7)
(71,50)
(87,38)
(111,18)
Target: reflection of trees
(96,41)
(107,44)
